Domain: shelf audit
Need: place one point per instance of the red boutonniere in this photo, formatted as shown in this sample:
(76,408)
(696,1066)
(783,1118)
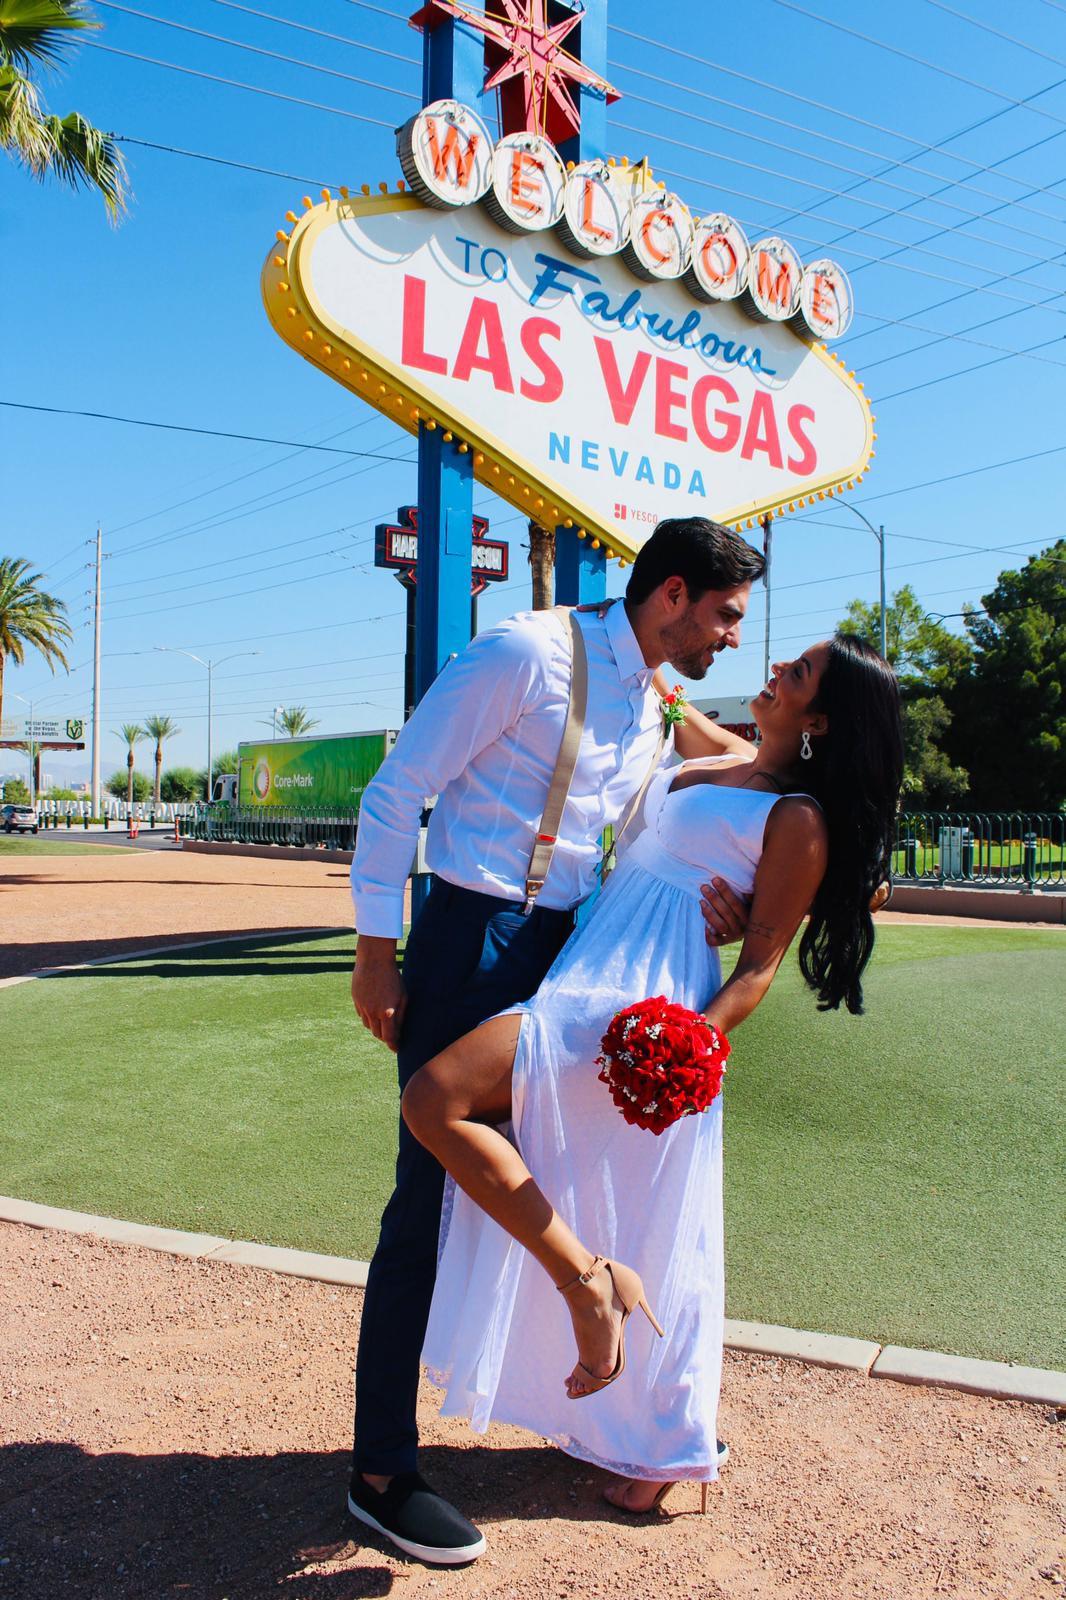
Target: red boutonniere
(675,707)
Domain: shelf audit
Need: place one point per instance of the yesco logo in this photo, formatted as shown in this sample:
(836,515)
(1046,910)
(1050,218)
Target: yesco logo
(261,778)
(603,208)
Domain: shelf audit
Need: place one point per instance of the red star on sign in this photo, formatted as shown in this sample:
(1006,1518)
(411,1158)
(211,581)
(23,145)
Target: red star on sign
(527,63)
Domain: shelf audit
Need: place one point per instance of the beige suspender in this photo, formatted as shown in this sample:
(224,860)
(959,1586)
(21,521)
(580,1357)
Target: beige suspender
(548,829)
(547,833)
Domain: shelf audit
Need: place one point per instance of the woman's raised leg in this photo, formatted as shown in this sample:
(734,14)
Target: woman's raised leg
(450,1106)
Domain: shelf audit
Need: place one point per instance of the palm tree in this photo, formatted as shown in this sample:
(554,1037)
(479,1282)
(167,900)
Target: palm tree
(37,33)
(159,728)
(294,720)
(28,616)
(542,565)
(130,732)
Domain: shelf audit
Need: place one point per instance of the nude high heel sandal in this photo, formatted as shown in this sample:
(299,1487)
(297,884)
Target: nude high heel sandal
(629,1289)
(660,1496)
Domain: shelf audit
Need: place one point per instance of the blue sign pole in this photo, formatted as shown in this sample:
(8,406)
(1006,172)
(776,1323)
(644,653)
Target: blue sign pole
(580,571)
(453,67)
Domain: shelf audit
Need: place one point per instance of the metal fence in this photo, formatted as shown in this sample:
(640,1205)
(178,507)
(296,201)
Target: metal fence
(271,825)
(1010,849)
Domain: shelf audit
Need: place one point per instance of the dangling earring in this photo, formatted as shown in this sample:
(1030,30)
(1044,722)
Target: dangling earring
(805,746)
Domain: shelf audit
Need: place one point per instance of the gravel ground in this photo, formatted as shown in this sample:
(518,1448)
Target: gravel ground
(62,909)
(174,1427)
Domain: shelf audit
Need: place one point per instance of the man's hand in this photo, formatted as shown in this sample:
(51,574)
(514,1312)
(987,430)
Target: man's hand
(725,913)
(377,989)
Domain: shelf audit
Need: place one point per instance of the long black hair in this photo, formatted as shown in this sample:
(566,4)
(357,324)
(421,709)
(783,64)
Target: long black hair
(855,774)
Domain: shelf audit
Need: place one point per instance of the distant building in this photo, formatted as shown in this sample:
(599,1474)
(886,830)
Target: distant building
(732,712)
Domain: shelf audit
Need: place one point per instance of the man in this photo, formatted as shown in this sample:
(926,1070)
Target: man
(485,740)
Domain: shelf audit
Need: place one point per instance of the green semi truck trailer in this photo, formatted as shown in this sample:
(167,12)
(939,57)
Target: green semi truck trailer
(317,775)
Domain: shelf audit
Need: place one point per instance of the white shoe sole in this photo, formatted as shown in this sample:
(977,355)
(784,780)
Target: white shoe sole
(433,1555)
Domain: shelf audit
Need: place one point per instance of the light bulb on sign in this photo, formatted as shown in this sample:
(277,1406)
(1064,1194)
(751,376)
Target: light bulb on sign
(596,213)
(720,253)
(446,154)
(528,183)
(660,237)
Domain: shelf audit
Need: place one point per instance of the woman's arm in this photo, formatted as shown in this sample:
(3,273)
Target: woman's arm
(699,736)
(792,865)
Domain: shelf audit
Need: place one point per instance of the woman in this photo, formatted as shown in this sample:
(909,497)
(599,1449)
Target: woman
(614,1215)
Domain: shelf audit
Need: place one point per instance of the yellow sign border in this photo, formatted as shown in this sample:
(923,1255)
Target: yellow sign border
(303,323)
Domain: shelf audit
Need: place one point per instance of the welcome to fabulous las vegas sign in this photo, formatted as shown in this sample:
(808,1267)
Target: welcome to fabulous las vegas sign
(608,358)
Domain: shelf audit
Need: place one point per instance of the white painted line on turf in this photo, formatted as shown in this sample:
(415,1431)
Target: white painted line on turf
(272,935)
(994,1379)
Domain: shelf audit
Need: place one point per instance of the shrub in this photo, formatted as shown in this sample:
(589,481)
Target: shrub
(181,783)
(16,793)
(118,785)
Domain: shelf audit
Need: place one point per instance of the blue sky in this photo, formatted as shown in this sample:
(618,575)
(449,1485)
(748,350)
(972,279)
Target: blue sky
(792,124)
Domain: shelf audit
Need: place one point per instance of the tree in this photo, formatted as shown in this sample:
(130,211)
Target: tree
(924,654)
(34,749)
(129,786)
(929,660)
(131,732)
(39,34)
(1010,710)
(16,793)
(542,565)
(181,783)
(159,728)
(295,720)
(28,616)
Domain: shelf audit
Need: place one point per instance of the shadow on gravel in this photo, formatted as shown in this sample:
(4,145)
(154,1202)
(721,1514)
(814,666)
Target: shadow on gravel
(18,960)
(129,1527)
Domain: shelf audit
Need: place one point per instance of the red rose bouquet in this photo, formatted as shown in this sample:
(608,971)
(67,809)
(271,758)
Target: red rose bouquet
(661,1061)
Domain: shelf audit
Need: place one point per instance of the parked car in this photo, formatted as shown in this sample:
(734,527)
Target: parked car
(21,819)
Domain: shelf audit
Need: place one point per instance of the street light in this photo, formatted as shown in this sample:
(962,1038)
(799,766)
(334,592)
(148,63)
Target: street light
(29,746)
(171,649)
(274,720)
(879,535)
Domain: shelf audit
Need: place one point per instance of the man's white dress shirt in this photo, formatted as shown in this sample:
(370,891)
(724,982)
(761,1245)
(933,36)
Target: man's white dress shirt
(484,739)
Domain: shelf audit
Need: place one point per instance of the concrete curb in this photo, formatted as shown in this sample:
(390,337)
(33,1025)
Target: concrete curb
(198,1246)
(272,852)
(1001,1379)
(166,950)
(993,1379)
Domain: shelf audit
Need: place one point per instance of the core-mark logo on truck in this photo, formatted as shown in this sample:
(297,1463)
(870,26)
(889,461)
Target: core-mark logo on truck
(261,778)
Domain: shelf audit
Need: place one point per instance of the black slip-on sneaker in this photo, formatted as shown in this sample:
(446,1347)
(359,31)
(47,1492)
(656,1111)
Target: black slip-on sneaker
(416,1519)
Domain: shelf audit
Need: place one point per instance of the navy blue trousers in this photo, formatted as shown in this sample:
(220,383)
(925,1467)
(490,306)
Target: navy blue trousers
(468,956)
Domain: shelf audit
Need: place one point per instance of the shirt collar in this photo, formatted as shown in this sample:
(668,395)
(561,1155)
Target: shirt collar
(628,655)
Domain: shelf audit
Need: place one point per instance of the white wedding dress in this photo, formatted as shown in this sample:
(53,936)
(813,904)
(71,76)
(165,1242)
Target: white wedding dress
(499,1339)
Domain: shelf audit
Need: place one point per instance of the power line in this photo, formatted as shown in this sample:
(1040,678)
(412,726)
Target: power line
(945,377)
(818,105)
(179,427)
(221,161)
(845,144)
(303,27)
(997,33)
(868,233)
(257,50)
(235,83)
(876,178)
(932,66)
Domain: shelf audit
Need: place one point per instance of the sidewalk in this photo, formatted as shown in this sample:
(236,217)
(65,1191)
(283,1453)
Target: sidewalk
(176,1427)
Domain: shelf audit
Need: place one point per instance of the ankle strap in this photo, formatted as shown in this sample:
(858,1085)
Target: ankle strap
(583,1277)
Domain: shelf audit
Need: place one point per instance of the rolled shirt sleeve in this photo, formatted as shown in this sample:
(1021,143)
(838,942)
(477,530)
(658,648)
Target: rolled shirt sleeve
(502,673)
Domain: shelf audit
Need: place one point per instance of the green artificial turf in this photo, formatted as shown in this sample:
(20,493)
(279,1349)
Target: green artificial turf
(28,844)
(895,1176)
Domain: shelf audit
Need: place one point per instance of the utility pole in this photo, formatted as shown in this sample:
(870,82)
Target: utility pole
(94,795)
(767,542)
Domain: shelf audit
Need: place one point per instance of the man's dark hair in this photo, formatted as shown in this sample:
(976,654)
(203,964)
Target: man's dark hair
(702,552)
